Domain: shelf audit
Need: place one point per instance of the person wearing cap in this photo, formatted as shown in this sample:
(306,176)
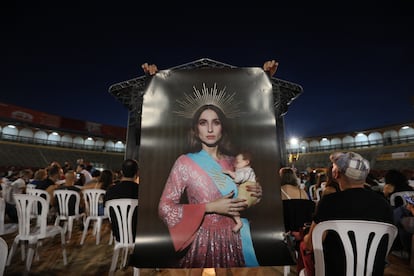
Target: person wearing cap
(354,202)
(404,220)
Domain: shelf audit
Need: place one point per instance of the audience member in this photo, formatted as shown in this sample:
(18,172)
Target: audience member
(67,167)
(289,185)
(310,180)
(84,176)
(126,188)
(95,178)
(70,179)
(404,220)
(297,208)
(331,185)
(104,181)
(395,181)
(353,202)
(50,183)
(39,176)
(18,186)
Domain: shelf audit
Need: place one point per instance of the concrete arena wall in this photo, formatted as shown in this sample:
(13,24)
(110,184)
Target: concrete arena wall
(37,156)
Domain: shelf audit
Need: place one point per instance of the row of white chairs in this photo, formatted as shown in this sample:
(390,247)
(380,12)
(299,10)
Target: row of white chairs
(28,204)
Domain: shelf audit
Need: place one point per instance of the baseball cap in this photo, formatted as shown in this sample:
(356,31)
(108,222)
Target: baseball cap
(351,164)
(409,199)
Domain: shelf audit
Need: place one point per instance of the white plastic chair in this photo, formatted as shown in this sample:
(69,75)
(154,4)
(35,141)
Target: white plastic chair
(4,251)
(363,264)
(92,197)
(5,228)
(315,193)
(65,209)
(33,234)
(30,186)
(123,211)
(6,191)
(400,194)
(39,192)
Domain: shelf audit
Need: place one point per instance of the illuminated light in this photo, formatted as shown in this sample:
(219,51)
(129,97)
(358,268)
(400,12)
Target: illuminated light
(11,126)
(360,134)
(89,138)
(208,272)
(405,127)
(324,139)
(293,141)
(55,133)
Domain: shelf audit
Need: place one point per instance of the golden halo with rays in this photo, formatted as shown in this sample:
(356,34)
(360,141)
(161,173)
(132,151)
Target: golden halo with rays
(213,96)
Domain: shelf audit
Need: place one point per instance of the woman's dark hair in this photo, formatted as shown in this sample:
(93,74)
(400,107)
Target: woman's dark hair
(288,176)
(224,145)
(398,180)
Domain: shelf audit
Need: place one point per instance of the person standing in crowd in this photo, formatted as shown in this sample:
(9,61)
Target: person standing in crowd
(353,202)
(126,188)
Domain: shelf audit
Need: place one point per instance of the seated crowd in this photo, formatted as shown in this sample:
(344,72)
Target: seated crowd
(347,191)
(123,184)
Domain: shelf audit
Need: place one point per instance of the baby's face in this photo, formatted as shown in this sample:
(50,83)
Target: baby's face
(240,162)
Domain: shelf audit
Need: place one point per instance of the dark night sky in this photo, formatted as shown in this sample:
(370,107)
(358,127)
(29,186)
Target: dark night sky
(355,64)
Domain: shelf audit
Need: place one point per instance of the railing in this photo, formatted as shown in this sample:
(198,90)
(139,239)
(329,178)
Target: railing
(38,141)
(355,145)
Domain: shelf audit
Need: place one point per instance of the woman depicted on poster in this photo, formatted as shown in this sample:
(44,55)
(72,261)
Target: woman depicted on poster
(201,228)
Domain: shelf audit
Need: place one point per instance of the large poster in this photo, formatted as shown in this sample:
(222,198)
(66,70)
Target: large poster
(181,234)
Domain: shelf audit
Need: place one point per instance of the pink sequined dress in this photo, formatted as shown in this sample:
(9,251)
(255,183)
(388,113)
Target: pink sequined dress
(208,237)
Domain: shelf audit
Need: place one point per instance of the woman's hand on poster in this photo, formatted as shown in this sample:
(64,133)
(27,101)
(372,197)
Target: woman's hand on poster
(150,69)
(227,205)
(256,191)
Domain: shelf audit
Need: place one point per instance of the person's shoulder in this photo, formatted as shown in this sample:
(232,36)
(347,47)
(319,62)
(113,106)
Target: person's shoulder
(332,198)
(74,188)
(18,182)
(113,187)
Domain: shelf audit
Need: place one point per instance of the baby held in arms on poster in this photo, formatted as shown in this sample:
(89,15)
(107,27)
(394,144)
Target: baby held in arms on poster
(243,176)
